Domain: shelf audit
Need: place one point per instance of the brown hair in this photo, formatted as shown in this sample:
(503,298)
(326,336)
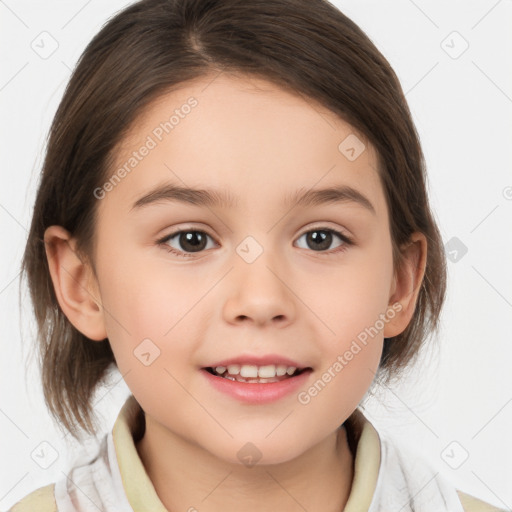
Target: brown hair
(153,46)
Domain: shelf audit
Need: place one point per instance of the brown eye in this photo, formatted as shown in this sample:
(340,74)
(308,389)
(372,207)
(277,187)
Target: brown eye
(186,241)
(320,240)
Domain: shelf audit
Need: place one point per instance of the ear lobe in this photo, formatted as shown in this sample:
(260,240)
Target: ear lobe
(74,284)
(407,284)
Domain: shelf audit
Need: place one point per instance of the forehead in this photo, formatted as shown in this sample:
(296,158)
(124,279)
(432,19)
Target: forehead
(247,136)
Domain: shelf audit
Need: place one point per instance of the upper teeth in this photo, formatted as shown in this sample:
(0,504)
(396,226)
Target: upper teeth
(249,370)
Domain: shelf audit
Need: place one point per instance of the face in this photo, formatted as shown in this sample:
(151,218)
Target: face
(186,284)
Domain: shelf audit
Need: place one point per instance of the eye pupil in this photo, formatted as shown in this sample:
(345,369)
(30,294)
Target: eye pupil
(194,239)
(323,239)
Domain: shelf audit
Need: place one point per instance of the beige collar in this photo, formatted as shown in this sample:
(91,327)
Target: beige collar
(128,428)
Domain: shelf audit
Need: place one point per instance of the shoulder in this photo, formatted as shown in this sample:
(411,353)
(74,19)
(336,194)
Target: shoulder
(472,504)
(400,459)
(42,500)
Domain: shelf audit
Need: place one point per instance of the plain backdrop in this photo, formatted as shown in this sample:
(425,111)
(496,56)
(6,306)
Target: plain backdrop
(453,60)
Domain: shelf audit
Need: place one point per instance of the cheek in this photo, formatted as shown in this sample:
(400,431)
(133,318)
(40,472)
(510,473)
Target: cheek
(149,318)
(351,297)
(147,336)
(349,364)
(139,294)
(134,308)
(356,311)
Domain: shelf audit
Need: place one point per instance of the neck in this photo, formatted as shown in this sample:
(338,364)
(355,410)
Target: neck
(187,477)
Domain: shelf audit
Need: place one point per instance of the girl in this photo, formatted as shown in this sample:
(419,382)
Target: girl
(201,150)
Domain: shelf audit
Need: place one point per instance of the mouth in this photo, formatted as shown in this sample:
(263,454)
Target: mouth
(252,374)
(257,380)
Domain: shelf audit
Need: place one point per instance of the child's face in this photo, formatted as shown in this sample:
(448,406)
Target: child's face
(258,283)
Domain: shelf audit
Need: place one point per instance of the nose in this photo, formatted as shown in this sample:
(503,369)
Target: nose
(260,294)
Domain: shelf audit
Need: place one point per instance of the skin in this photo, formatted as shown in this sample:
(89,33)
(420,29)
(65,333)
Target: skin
(261,143)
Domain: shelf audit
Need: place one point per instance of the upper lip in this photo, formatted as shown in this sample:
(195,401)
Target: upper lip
(265,360)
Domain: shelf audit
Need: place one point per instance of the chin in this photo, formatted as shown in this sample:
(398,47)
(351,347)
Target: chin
(253,453)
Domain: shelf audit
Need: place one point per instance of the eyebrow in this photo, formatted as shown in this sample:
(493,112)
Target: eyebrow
(224,199)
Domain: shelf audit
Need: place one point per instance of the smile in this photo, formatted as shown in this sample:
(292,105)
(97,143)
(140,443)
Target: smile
(255,374)
(256,390)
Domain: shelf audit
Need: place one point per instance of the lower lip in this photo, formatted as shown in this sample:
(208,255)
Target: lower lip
(256,392)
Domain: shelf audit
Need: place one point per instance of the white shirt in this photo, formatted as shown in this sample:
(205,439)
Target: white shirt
(386,477)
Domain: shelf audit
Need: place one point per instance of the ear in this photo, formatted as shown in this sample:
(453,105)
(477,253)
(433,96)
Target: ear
(74,283)
(407,284)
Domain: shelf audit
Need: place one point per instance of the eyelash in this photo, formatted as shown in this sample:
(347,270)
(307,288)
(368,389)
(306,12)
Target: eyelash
(347,241)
